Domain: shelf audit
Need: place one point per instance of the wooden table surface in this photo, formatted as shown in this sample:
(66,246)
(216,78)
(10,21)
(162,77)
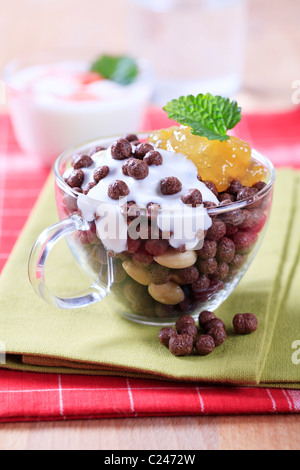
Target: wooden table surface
(272,64)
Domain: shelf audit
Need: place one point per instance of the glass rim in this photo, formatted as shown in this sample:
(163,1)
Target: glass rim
(233,206)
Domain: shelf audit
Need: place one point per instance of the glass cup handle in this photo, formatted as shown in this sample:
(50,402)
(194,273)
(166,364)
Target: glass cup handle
(37,263)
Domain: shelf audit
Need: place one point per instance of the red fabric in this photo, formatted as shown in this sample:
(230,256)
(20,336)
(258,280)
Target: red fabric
(33,397)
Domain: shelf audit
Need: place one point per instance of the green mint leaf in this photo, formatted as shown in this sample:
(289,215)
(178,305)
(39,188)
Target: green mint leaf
(209,116)
(121,69)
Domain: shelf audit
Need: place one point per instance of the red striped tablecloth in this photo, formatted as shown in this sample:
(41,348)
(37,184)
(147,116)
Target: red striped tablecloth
(32,397)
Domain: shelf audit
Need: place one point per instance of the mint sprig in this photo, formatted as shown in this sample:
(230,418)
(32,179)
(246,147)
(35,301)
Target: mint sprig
(120,69)
(209,116)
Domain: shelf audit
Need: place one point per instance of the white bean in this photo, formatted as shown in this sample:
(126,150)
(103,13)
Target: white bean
(168,294)
(175,260)
(138,273)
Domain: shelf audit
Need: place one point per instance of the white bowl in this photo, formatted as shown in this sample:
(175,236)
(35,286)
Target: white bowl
(45,126)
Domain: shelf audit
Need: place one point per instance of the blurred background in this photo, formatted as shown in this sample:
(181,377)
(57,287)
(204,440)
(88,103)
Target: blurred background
(249,49)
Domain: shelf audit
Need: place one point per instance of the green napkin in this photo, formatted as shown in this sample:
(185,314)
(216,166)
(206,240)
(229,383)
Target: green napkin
(96,340)
(286,337)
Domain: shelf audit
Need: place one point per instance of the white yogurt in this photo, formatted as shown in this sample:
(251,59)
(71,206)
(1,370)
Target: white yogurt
(186,223)
(53,109)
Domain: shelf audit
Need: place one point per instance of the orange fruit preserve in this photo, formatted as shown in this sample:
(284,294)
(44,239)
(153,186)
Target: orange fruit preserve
(220,162)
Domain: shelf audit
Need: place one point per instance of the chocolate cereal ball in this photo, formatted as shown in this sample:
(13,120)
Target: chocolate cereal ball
(230,229)
(137,169)
(260,185)
(100,173)
(216,231)
(121,150)
(221,272)
(143,258)
(183,321)
(235,187)
(187,275)
(142,150)
(192,197)
(205,345)
(219,335)
(226,198)
(208,266)
(76,178)
(245,324)
(205,317)
(165,335)
(225,250)
(209,249)
(210,205)
(131,137)
(170,186)
(245,193)
(153,158)
(213,324)
(156,247)
(82,161)
(190,330)
(97,149)
(201,285)
(181,345)
(125,166)
(233,217)
(118,189)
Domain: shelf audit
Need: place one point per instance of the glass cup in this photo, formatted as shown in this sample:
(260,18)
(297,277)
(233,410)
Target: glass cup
(152,290)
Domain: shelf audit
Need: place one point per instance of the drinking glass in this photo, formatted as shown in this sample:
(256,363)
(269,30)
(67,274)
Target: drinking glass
(195,46)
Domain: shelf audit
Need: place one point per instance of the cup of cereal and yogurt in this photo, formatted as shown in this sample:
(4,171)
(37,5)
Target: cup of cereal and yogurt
(61,99)
(167,222)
